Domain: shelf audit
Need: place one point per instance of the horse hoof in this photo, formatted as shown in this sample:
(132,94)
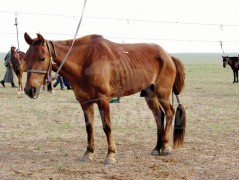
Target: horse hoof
(87,158)
(166,151)
(155,152)
(109,161)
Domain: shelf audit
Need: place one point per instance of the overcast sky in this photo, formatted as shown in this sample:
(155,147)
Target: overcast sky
(177,25)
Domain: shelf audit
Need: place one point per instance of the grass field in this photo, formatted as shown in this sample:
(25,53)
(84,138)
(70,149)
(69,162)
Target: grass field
(45,138)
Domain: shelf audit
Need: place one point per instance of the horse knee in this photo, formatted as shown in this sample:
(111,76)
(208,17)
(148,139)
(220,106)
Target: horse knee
(106,128)
(172,109)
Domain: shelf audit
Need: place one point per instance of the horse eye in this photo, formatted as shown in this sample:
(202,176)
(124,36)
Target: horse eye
(42,59)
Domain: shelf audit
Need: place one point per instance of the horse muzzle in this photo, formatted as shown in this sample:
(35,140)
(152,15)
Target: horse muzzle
(32,92)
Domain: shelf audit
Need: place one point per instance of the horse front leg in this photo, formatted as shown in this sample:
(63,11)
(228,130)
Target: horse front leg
(237,75)
(104,108)
(19,85)
(88,109)
(234,75)
(20,82)
(19,76)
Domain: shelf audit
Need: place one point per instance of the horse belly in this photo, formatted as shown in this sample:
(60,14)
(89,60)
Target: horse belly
(127,83)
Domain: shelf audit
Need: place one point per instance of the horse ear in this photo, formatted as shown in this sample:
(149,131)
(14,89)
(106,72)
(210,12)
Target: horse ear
(28,39)
(41,39)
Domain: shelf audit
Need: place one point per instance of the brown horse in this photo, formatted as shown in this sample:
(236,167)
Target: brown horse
(99,69)
(233,62)
(19,66)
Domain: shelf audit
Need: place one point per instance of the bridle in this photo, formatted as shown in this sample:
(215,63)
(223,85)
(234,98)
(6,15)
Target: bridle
(225,61)
(48,72)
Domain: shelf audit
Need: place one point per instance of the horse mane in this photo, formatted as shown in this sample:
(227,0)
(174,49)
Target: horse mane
(82,40)
(21,52)
(234,58)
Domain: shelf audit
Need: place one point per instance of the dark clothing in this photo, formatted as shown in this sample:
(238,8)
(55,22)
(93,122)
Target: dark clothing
(63,82)
(9,76)
(59,80)
(67,83)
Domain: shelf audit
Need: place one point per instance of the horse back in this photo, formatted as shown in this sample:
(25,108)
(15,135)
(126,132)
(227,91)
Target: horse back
(124,69)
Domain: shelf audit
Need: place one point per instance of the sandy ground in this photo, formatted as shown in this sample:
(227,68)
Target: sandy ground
(45,138)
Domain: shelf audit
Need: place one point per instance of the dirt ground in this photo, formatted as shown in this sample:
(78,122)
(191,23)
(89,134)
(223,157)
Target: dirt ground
(45,138)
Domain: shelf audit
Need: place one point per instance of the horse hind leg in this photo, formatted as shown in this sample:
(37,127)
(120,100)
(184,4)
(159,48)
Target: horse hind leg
(160,106)
(169,112)
(158,114)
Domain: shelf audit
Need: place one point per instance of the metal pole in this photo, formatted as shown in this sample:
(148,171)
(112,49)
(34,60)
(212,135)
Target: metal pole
(16,23)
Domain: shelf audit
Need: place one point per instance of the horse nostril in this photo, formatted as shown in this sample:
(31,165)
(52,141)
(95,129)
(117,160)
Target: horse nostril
(34,90)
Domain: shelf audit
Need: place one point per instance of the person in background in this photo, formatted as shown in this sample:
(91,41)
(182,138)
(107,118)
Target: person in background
(9,76)
(67,84)
(59,79)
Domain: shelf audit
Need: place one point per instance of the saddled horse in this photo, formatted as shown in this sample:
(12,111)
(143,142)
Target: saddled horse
(19,66)
(99,69)
(233,62)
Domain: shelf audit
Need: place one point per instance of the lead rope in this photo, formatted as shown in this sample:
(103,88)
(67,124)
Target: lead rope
(222,48)
(78,27)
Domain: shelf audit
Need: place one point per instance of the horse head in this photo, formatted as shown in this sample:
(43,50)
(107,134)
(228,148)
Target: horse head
(224,60)
(38,65)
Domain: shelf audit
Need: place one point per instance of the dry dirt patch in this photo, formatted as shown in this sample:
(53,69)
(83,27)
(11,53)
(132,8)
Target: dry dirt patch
(45,138)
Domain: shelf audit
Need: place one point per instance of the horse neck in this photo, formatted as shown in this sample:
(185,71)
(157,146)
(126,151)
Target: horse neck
(233,63)
(23,65)
(74,59)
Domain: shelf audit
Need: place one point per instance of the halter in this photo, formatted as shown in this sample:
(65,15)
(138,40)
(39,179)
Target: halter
(48,72)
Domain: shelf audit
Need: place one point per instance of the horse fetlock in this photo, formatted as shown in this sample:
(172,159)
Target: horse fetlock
(155,152)
(87,157)
(110,159)
(166,151)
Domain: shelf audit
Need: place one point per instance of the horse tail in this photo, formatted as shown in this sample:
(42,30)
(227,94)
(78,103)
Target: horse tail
(180,76)
(180,115)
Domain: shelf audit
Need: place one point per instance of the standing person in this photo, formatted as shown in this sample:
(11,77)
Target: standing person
(67,83)
(9,76)
(59,80)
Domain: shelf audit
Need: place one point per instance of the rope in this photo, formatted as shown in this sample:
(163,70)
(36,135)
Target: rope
(78,27)
(222,48)
(16,23)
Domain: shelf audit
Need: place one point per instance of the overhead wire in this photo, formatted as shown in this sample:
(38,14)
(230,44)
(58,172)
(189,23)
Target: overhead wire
(123,19)
(128,20)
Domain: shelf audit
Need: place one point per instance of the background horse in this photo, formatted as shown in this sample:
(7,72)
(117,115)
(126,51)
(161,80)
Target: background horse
(234,63)
(19,66)
(99,69)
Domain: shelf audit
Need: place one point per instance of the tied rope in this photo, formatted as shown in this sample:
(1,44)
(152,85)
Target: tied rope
(222,48)
(78,27)
(16,24)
